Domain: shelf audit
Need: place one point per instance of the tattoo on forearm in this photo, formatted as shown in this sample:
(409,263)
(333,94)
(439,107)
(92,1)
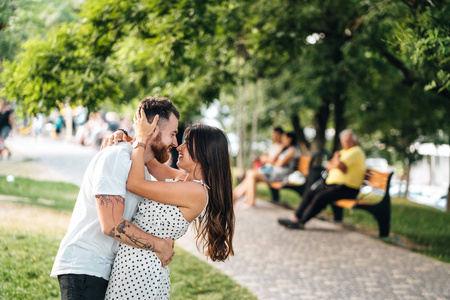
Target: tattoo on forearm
(136,241)
(110,199)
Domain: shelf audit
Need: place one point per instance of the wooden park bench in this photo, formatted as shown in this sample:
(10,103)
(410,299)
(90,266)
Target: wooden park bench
(302,167)
(380,210)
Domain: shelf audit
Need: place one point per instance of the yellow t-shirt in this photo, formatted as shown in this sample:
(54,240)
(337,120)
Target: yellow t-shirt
(355,161)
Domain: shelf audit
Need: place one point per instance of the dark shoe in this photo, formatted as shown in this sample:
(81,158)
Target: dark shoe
(291,224)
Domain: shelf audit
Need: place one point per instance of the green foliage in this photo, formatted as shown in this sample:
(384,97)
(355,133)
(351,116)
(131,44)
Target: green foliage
(24,19)
(378,66)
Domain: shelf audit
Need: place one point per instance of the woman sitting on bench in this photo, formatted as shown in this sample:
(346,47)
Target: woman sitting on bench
(285,163)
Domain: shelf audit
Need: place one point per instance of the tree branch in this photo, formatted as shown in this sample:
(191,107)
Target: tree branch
(409,80)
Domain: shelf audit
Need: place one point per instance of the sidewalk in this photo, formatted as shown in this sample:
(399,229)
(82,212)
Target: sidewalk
(322,262)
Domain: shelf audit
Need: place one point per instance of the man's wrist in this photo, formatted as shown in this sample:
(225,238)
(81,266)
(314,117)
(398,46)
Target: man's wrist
(158,244)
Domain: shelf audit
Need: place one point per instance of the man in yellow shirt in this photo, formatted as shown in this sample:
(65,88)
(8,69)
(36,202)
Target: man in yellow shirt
(345,175)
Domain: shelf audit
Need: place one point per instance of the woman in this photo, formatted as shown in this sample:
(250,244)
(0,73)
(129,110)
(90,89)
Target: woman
(285,163)
(201,193)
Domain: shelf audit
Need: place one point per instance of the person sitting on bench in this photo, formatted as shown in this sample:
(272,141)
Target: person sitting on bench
(271,154)
(285,163)
(345,176)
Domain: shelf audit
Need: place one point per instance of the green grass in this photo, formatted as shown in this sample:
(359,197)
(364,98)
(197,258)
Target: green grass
(194,279)
(26,258)
(56,195)
(420,228)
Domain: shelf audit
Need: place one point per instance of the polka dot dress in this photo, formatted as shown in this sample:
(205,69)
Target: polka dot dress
(137,273)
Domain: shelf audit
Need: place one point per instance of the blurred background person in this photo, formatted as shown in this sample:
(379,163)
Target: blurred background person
(7,123)
(285,163)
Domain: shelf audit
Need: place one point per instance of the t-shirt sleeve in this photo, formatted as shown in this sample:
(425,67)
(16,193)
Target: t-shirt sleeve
(111,173)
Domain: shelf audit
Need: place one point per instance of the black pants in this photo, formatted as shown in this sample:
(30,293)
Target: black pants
(80,286)
(315,200)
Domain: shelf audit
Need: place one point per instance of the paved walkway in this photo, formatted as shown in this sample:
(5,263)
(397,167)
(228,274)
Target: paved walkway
(322,262)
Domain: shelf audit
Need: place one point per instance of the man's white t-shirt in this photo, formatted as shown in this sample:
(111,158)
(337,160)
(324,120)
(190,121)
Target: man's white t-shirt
(85,249)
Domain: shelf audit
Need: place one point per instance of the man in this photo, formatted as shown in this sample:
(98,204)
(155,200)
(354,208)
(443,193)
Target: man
(103,210)
(345,175)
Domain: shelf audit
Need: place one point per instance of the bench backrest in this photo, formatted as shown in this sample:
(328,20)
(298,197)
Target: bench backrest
(376,179)
(303,164)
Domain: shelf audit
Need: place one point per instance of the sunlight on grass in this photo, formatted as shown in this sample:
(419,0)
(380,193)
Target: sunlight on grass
(30,237)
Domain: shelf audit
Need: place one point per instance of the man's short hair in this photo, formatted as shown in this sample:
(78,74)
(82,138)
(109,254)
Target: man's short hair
(279,130)
(348,131)
(159,106)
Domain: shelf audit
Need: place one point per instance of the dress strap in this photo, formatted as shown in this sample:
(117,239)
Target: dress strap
(205,186)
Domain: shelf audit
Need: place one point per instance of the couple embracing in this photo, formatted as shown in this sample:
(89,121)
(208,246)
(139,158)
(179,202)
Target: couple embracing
(121,235)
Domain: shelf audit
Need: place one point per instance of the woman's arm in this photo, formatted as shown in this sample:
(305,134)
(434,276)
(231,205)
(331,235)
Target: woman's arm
(162,171)
(273,160)
(290,155)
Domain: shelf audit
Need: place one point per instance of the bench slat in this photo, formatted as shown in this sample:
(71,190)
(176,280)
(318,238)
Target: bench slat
(276,185)
(350,203)
(376,179)
(345,203)
(303,165)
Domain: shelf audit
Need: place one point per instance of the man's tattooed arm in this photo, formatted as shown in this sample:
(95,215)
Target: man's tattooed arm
(110,209)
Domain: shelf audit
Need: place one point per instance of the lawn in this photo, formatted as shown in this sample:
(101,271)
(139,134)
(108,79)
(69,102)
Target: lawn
(30,233)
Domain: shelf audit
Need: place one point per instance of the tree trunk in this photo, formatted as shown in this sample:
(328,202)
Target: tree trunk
(320,124)
(447,208)
(241,129)
(339,121)
(407,175)
(298,130)
(255,117)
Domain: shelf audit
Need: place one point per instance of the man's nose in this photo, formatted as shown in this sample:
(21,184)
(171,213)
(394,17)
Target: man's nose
(175,142)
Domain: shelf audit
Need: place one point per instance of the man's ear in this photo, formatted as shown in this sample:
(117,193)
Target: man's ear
(154,134)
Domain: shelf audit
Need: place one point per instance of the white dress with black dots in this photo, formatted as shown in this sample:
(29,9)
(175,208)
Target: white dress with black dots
(137,273)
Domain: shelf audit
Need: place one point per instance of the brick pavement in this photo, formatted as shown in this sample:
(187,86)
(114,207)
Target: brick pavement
(323,262)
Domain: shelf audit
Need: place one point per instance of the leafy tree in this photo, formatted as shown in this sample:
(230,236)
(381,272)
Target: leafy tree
(22,19)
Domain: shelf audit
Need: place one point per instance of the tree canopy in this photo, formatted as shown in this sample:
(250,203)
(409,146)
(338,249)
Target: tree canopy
(378,66)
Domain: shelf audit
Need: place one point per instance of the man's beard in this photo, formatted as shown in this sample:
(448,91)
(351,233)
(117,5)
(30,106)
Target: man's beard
(160,151)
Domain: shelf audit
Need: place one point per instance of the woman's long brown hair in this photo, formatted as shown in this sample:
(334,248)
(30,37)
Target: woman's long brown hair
(215,228)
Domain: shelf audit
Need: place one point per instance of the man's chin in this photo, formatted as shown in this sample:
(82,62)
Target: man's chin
(162,157)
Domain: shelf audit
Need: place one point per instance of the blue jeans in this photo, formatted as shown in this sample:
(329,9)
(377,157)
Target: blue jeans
(4,132)
(80,286)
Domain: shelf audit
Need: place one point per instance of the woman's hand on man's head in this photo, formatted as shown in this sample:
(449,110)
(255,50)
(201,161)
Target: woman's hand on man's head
(118,136)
